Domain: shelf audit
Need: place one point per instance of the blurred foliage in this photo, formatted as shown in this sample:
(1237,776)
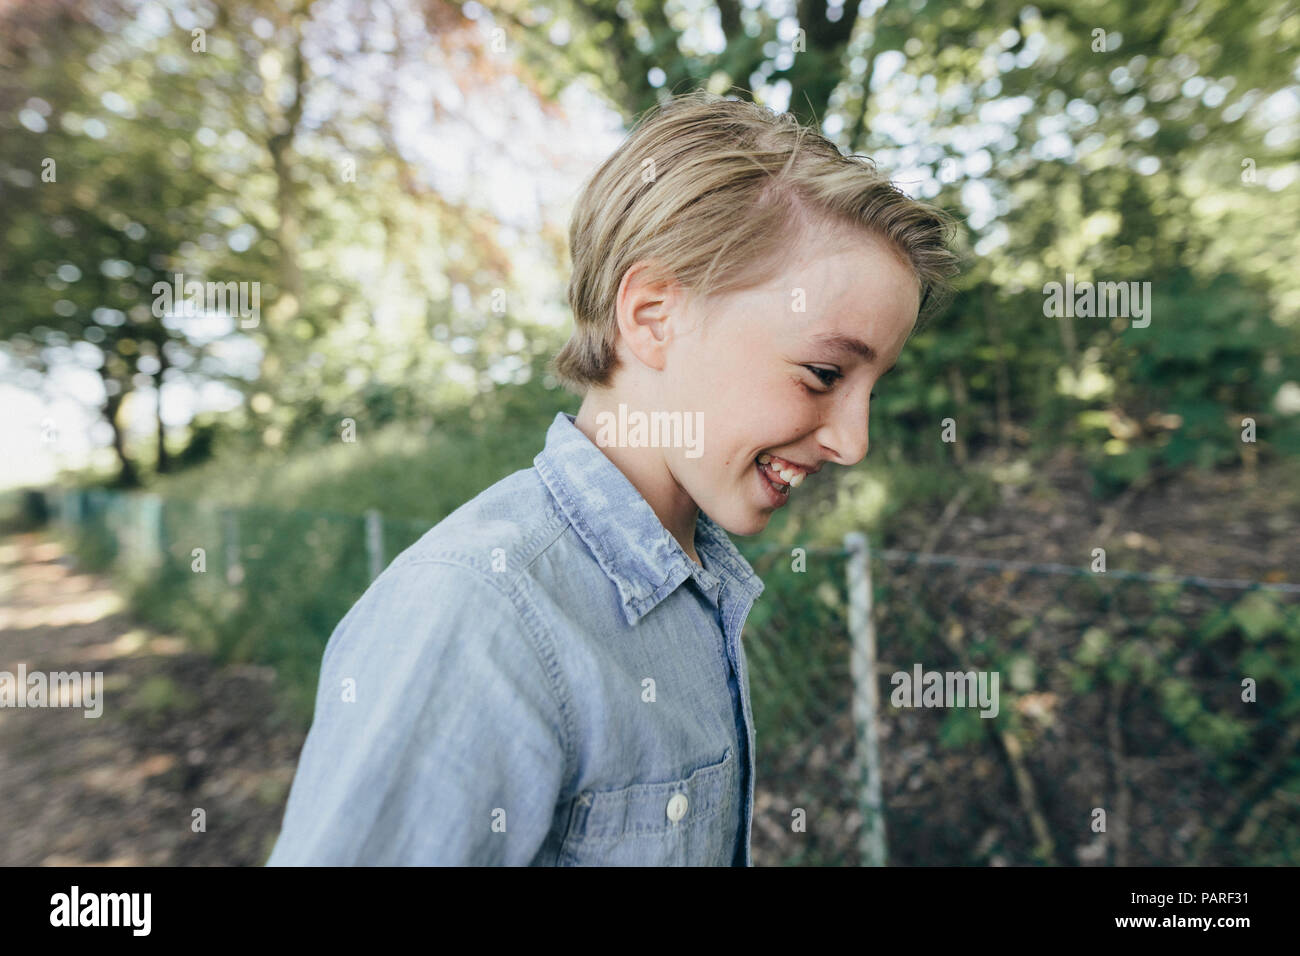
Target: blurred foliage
(1156,145)
(129,155)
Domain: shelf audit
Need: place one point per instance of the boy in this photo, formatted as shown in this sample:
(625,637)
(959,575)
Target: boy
(553,675)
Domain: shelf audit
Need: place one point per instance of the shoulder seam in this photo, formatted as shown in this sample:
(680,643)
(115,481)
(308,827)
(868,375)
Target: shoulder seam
(553,525)
(540,638)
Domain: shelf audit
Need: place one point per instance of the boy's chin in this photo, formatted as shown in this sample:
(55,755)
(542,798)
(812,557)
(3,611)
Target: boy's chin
(739,520)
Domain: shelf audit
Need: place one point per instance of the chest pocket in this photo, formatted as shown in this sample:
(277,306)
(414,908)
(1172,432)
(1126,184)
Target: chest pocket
(687,822)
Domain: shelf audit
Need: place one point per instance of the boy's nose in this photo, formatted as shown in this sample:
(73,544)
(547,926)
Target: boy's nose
(845,432)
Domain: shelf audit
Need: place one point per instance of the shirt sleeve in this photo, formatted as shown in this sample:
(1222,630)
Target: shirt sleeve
(437,738)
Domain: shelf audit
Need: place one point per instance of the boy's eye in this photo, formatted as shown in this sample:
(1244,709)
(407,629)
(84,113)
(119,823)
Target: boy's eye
(828,377)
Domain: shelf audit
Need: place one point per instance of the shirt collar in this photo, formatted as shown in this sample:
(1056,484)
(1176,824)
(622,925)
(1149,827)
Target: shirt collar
(629,541)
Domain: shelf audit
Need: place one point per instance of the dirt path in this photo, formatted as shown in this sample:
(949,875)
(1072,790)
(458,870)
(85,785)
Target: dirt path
(177,734)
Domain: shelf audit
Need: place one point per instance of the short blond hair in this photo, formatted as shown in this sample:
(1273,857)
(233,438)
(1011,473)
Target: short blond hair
(704,183)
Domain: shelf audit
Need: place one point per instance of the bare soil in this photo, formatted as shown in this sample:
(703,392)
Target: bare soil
(186,766)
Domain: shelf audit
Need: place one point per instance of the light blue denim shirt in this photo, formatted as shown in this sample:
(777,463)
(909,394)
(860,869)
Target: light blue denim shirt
(544,678)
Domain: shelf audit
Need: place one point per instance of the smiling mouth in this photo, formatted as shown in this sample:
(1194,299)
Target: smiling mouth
(773,479)
(782,471)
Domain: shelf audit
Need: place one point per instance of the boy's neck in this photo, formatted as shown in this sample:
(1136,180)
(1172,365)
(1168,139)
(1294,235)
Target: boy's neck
(645,468)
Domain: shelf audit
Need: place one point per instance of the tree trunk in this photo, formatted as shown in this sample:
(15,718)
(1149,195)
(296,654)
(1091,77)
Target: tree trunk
(127,475)
(164,462)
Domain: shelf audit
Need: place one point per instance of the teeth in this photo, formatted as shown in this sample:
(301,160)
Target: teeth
(791,475)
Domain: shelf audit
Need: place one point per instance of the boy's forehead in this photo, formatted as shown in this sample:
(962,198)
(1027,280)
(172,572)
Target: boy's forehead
(846,293)
(840,271)
(846,287)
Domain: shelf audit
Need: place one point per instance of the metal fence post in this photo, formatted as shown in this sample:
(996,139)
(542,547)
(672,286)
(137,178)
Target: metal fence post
(862,634)
(150,530)
(71,509)
(230,538)
(375,542)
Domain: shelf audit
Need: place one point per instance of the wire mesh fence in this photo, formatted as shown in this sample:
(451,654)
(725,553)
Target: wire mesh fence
(910,709)
(1138,719)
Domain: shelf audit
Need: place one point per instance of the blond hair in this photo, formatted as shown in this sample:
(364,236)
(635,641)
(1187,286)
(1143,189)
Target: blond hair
(705,183)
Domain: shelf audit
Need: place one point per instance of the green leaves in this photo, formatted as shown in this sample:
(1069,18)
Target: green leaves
(1258,616)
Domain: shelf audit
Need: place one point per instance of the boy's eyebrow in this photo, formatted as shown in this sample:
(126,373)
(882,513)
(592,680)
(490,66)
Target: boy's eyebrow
(840,342)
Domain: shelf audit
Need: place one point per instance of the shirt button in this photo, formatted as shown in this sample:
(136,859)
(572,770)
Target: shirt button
(677,807)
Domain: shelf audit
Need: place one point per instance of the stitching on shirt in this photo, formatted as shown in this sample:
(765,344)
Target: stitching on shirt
(543,646)
(553,526)
(558,487)
(639,830)
(640,605)
(730,561)
(724,551)
(708,791)
(574,516)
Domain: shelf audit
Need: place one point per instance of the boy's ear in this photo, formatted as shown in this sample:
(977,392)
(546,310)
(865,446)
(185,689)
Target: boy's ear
(643,309)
